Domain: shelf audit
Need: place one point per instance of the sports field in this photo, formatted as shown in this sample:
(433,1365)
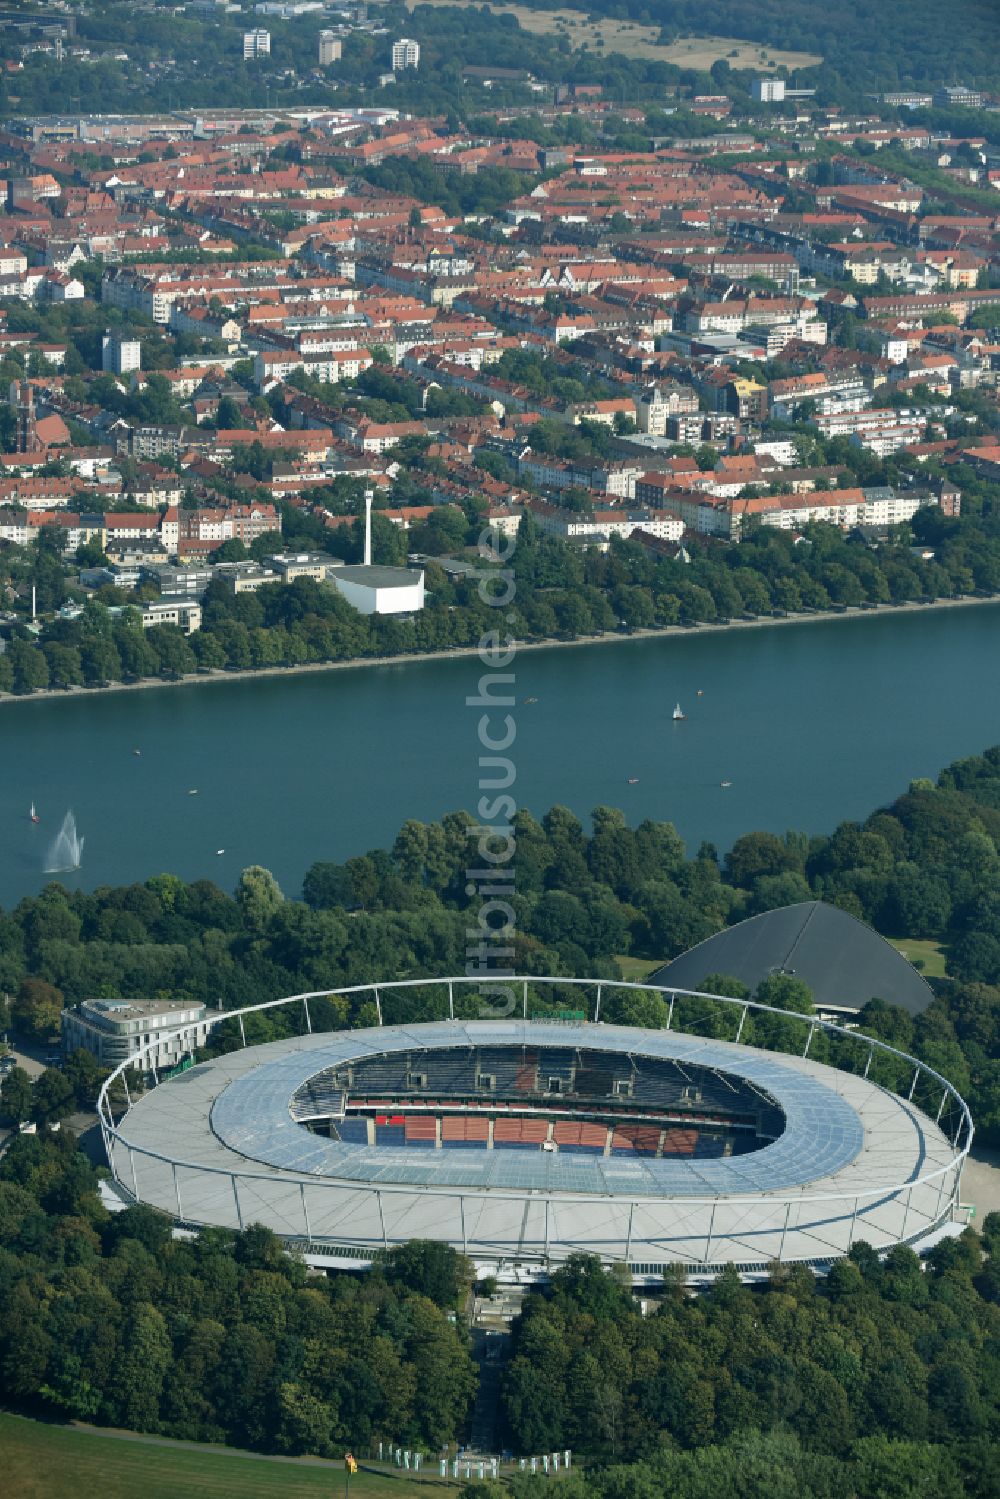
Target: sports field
(59,1462)
(634,40)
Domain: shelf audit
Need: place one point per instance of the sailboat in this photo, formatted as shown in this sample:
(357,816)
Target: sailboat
(678,716)
(34,815)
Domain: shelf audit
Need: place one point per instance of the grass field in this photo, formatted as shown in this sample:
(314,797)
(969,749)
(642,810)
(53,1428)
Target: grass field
(926,955)
(633,40)
(38,1461)
(633,970)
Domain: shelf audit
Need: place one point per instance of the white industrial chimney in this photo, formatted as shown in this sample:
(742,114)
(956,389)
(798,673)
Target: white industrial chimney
(369,496)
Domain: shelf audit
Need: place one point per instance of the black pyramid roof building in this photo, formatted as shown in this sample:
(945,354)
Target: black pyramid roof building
(844,962)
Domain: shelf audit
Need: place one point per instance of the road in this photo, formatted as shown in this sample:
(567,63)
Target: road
(981,1182)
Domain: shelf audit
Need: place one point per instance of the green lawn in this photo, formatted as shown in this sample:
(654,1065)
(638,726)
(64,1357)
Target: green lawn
(634,970)
(57,1462)
(928,955)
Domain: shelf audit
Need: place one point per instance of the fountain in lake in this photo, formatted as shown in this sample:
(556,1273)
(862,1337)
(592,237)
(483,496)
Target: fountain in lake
(66,849)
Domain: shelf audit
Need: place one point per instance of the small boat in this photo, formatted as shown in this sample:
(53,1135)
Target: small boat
(193,791)
(531,700)
(677,715)
(700,693)
(33,814)
(633,780)
(725,783)
(220,850)
(137,752)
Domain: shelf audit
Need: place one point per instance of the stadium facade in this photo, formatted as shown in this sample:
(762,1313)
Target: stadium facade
(522,1140)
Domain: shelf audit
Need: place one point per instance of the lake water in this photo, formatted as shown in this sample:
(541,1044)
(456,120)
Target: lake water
(812,723)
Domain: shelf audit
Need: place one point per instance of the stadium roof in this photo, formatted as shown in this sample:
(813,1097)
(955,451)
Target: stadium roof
(822,1132)
(204,1146)
(844,962)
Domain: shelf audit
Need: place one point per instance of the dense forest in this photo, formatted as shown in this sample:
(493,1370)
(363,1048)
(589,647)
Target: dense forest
(865,43)
(159,59)
(223,1338)
(562,595)
(880,1380)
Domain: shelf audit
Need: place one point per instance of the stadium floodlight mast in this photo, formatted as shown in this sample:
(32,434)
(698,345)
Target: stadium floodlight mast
(170,1146)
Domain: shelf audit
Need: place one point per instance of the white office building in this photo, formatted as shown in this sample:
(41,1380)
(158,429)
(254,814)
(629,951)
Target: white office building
(256,43)
(115,1029)
(405,54)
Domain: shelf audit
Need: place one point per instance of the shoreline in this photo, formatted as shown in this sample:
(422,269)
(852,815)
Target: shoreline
(669,632)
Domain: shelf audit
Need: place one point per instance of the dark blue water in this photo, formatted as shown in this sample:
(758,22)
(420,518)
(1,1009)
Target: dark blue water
(812,723)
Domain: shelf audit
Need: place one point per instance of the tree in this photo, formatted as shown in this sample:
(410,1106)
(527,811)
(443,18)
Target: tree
(228,415)
(51,1097)
(430,1269)
(258,896)
(887,1469)
(176,658)
(138,657)
(37,1009)
(641,1007)
(208,650)
(443,531)
(15,1096)
(91,554)
(29,666)
(85,1075)
(326,885)
(100,660)
(140,1370)
(975,958)
(756,854)
(230,551)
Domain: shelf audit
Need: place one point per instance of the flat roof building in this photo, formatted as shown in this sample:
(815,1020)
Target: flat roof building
(112,1029)
(405,54)
(381,590)
(120,354)
(330,48)
(292,565)
(957,96)
(245,577)
(256,43)
(185,614)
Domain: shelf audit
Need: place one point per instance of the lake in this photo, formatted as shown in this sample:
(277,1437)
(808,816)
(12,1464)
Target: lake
(812,723)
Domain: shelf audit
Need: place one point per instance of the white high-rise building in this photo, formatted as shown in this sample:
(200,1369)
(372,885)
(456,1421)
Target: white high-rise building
(405,54)
(120,355)
(256,43)
(330,48)
(768,90)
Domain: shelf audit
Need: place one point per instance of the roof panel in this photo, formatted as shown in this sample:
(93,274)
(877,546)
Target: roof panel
(823,1132)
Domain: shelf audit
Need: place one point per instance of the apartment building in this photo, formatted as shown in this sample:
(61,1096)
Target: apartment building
(115,1029)
(405,54)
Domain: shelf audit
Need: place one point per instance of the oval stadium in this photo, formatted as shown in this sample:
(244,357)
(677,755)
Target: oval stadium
(523,1140)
